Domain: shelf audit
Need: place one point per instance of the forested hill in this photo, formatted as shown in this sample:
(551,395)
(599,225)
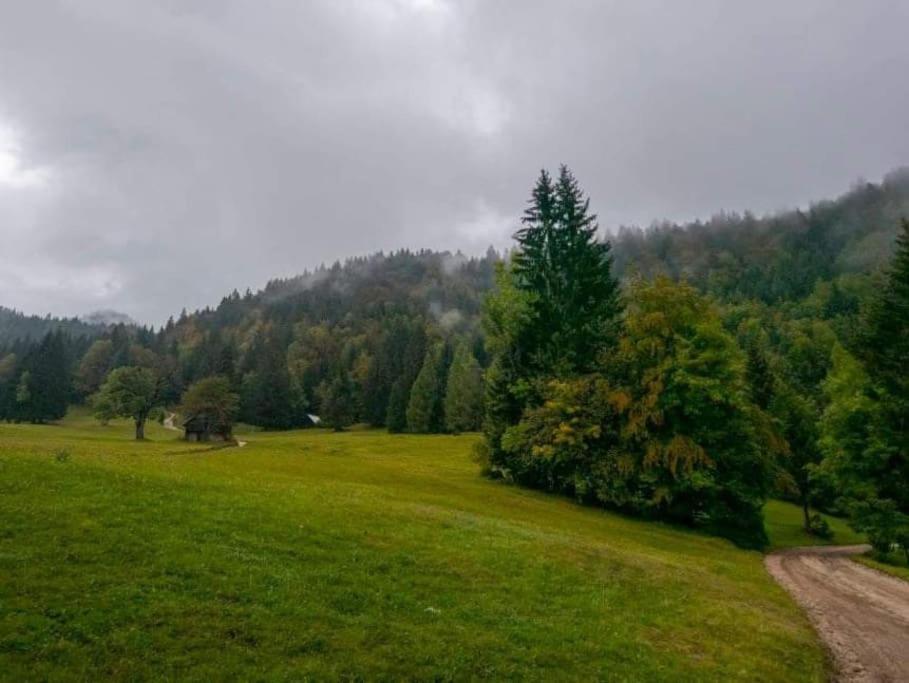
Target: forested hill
(778,257)
(365,329)
(735,257)
(448,287)
(15,325)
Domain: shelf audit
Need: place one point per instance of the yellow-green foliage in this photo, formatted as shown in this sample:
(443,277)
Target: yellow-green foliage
(354,556)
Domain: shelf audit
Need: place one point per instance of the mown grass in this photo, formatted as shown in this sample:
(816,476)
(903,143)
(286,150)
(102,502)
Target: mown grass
(312,555)
(785,528)
(783,522)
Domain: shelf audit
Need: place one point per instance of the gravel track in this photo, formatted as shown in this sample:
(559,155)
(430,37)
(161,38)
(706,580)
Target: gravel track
(862,615)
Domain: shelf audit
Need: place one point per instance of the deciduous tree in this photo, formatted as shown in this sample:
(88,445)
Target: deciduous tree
(130,392)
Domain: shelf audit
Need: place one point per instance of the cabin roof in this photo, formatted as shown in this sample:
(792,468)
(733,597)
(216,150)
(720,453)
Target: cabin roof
(203,423)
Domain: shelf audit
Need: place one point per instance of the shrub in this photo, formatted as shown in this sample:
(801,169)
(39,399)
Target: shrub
(817,526)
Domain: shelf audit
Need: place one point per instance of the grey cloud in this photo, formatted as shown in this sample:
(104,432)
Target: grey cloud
(187,148)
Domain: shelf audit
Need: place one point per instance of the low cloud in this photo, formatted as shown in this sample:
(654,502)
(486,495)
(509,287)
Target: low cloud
(158,155)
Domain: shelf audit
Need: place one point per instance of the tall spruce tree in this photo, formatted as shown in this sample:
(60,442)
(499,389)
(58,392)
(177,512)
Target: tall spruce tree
(555,311)
(568,270)
(396,419)
(387,365)
(409,362)
(464,392)
(425,408)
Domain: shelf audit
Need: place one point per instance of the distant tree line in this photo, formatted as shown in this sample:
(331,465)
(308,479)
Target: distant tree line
(391,340)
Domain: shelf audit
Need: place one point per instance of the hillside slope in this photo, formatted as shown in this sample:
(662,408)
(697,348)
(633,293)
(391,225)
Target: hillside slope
(777,257)
(15,325)
(359,555)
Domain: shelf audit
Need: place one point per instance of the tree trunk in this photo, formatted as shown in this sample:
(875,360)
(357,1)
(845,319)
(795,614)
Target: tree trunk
(140,430)
(806,512)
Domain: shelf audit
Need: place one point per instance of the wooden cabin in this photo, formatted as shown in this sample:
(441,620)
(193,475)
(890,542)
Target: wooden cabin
(206,428)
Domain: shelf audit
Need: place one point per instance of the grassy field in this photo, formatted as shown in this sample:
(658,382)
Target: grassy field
(895,564)
(784,524)
(359,555)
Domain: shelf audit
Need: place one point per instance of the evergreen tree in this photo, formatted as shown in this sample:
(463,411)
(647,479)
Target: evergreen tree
(43,388)
(396,420)
(407,365)
(425,407)
(336,402)
(867,435)
(885,343)
(386,366)
(464,392)
(555,312)
(267,398)
(8,366)
(568,270)
(886,354)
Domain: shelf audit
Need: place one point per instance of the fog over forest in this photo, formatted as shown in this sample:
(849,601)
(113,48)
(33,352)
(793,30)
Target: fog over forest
(158,155)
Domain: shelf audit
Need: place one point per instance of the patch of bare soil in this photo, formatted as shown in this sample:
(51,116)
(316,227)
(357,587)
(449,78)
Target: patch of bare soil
(862,615)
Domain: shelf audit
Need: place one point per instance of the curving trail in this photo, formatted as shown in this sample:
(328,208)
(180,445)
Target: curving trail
(861,614)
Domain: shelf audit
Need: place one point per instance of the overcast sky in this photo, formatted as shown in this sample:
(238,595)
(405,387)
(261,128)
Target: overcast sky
(157,154)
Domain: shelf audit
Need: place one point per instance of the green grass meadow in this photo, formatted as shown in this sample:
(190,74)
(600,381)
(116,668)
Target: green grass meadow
(785,527)
(311,555)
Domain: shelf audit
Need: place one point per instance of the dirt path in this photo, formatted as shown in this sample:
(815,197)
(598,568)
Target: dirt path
(861,614)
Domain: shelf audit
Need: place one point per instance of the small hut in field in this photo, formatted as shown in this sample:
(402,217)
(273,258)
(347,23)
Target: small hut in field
(206,428)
